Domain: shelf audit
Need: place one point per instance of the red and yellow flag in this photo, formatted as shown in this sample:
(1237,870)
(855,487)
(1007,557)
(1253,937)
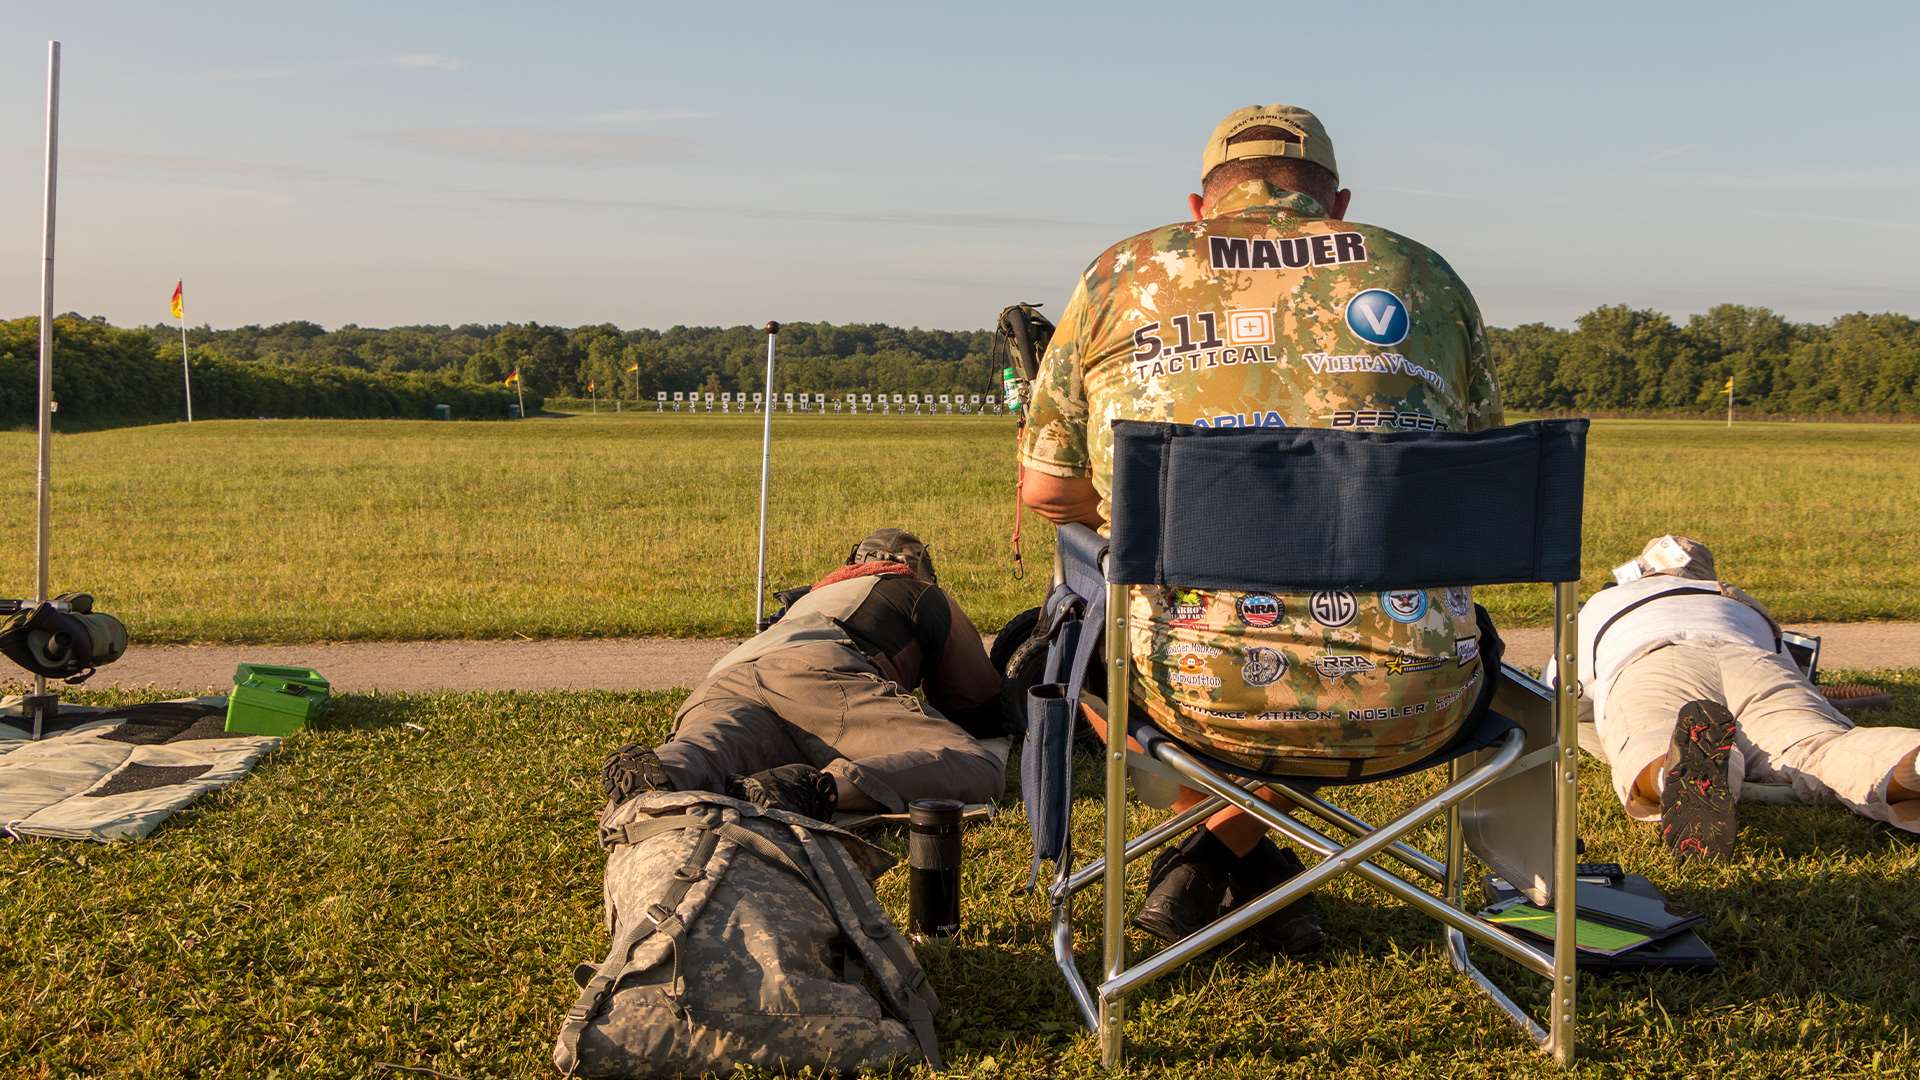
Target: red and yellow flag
(179,299)
(589,386)
(513,378)
(635,367)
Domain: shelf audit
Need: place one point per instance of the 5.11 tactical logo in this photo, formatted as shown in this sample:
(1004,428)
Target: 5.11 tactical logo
(1199,344)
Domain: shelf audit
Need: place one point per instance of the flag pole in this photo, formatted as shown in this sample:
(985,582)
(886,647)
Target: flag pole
(520,391)
(39,707)
(186,373)
(766,453)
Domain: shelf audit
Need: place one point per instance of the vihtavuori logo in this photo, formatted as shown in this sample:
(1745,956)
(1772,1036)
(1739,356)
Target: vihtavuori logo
(1378,317)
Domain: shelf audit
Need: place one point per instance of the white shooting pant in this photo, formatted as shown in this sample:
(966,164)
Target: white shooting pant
(1788,732)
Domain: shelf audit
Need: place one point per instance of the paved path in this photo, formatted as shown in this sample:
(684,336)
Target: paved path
(660,663)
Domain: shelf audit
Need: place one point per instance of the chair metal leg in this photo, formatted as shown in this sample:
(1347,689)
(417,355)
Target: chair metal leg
(1565,832)
(1462,961)
(1119,661)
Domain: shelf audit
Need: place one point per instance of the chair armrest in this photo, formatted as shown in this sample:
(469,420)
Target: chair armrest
(1082,554)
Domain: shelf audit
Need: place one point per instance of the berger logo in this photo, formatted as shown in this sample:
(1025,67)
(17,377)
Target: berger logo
(1404,605)
(1378,317)
(1333,609)
(1263,666)
(1260,609)
(1339,665)
(1467,649)
(1459,601)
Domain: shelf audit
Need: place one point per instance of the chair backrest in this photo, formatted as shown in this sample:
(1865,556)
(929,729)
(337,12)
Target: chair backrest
(1315,508)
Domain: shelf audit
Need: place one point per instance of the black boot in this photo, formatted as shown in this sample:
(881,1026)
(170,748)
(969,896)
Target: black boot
(800,789)
(632,770)
(1186,887)
(1294,929)
(1696,795)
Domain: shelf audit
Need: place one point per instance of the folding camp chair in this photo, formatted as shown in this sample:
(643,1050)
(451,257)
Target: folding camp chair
(1296,509)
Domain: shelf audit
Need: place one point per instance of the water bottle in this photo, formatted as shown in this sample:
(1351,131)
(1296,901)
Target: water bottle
(933,856)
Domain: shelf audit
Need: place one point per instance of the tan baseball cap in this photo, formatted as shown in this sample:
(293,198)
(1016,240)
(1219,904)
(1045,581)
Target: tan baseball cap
(1310,143)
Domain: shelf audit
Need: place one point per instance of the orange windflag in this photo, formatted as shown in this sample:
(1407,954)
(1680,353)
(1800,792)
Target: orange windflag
(179,299)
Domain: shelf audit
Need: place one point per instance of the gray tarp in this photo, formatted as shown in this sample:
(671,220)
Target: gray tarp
(71,785)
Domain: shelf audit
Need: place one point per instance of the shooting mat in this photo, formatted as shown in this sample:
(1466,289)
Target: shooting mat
(117,774)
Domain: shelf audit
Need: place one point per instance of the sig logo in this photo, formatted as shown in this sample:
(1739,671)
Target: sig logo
(1378,317)
(1259,609)
(1333,609)
(1405,606)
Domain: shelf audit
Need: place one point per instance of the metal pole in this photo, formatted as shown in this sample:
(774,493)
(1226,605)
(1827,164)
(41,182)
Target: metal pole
(1566,837)
(1729,401)
(766,454)
(44,473)
(186,373)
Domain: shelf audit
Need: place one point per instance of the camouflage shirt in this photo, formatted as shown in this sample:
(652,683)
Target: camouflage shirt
(1269,313)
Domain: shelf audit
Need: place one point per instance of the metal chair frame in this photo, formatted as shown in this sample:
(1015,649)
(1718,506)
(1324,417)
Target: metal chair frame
(1101,1007)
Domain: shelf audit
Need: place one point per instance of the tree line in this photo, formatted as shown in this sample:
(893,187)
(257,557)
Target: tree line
(105,376)
(1626,359)
(1614,358)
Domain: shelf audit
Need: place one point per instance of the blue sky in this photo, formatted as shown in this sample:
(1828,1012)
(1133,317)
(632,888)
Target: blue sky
(651,164)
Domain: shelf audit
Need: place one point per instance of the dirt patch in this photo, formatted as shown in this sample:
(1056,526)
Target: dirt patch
(664,663)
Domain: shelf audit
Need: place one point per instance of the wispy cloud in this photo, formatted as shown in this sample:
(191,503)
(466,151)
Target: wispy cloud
(430,61)
(647,114)
(1101,159)
(189,165)
(935,218)
(1427,193)
(1667,153)
(555,147)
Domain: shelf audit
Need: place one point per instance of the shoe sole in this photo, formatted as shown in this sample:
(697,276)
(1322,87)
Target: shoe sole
(1696,801)
(1160,926)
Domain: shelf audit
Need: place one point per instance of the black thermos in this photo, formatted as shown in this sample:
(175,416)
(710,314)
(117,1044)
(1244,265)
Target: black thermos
(933,855)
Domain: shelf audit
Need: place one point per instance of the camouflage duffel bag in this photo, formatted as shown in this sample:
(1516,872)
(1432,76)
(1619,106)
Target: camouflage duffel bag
(742,936)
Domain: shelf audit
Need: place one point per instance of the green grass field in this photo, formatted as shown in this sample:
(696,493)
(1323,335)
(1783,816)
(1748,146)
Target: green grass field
(410,883)
(279,531)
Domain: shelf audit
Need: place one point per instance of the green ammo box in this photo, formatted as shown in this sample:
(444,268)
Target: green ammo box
(270,700)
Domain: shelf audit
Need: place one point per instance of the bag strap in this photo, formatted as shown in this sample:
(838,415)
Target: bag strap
(903,983)
(770,851)
(662,917)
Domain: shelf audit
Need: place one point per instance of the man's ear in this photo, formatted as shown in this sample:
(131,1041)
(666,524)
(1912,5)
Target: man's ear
(1197,204)
(1340,200)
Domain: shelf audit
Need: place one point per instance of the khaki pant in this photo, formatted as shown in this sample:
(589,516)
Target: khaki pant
(823,704)
(1788,732)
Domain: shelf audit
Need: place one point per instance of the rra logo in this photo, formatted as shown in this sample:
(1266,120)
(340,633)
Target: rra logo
(1378,317)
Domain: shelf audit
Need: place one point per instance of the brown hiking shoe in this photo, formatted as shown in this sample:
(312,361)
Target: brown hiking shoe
(632,770)
(1696,796)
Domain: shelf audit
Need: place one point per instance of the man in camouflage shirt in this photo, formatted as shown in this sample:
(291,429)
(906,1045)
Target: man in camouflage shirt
(1269,308)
